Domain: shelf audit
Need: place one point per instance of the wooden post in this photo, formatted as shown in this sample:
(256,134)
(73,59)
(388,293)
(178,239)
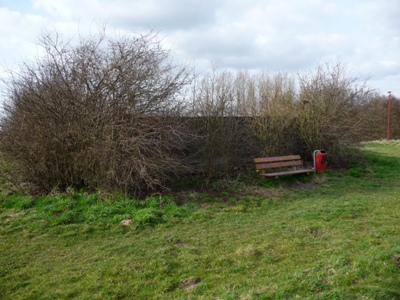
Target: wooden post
(388,118)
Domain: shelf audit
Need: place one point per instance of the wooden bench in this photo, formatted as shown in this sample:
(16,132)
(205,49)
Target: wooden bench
(280,166)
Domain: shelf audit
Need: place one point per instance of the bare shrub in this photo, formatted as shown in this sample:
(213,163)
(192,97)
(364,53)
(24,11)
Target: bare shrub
(373,111)
(330,110)
(221,135)
(241,115)
(395,117)
(273,112)
(99,114)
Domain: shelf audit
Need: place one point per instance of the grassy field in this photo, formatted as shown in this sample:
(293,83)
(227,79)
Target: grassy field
(334,236)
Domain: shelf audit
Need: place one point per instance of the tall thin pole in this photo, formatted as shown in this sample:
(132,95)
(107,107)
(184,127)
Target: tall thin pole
(388,118)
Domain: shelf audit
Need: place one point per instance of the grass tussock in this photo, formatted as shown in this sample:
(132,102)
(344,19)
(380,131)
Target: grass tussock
(334,236)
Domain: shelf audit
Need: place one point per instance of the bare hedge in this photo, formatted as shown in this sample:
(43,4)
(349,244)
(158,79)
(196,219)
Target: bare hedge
(115,113)
(83,115)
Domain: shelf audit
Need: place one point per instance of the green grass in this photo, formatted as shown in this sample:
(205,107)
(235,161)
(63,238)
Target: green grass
(336,241)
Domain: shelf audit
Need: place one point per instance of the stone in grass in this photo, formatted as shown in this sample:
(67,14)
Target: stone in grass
(126,222)
(189,283)
(396,259)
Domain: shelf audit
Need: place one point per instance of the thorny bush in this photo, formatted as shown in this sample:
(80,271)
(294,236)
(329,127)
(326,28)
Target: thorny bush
(96,114)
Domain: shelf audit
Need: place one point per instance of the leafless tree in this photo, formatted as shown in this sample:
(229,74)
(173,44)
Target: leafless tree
(330,113)
(99,113)
(273,112)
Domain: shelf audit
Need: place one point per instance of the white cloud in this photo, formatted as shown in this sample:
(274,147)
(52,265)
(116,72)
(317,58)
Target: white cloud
(21,41)
(255,34)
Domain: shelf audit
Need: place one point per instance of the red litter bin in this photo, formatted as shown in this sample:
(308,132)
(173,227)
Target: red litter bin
(320,160)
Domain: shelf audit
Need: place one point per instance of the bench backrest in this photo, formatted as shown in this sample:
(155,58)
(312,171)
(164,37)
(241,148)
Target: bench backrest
(278,162)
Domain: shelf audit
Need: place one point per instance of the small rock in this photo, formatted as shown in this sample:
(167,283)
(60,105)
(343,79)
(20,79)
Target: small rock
(126,222)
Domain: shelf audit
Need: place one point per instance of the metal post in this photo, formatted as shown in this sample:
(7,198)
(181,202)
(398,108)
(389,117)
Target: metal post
(388,118)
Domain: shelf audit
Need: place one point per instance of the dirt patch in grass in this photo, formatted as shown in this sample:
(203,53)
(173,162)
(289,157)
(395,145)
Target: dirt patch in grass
(225,190)
(396,259)
(315,232)
(304,186)
(177,242)
(189,283)
(265,192)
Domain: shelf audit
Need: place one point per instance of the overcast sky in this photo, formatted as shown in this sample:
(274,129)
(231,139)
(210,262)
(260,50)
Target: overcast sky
(272,35)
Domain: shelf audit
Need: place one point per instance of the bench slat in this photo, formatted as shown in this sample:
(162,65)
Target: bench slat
(279,164)
(277,158)
(287,173)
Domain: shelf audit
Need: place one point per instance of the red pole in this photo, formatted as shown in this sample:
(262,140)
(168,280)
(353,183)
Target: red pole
(388,125)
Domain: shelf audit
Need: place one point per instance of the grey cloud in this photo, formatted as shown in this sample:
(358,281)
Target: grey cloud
(286,35)
(165,15)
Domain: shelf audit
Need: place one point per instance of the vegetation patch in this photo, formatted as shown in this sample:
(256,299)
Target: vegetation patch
(338,240)
(115,113)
